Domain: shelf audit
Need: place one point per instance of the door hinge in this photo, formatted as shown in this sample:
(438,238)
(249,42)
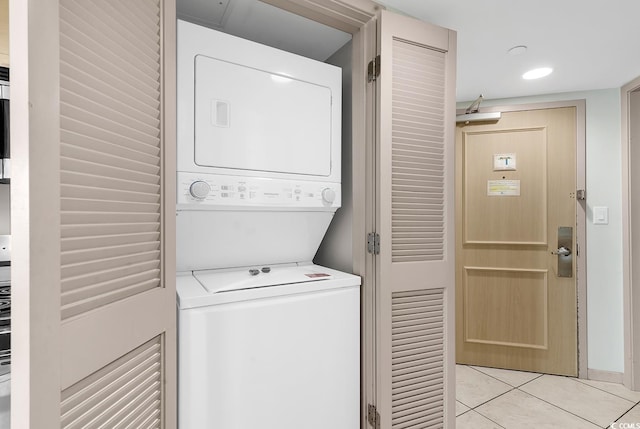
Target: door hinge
(373,243)
(581,194)
(373,70)
(373,416)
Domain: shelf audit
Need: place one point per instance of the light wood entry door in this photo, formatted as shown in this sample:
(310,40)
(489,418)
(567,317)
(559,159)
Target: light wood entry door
(515,299)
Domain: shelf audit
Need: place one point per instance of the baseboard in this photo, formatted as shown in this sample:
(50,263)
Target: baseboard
(608,376)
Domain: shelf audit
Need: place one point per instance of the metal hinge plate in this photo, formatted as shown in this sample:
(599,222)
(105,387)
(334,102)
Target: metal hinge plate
(373,243)
(373,416)
(373,70)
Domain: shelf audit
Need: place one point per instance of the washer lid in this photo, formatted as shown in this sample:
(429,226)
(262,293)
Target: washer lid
(216,281)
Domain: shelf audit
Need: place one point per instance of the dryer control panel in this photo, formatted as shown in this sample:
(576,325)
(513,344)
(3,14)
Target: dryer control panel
(217,191)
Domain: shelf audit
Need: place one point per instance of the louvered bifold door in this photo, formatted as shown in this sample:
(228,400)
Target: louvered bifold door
(93,214)
(106,244)
(117,210)
(416,109)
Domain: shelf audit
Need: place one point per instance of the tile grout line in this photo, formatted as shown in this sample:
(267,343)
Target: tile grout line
(512,388)
(482,403)
(491,376)
(627,412)
(610,393)
(624,414)
(464,404)
(562,409)
(501,381)
(540,399)
(587,385)
(488,418)
(495,397)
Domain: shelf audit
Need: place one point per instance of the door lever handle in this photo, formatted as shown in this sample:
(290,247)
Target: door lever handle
(561,251)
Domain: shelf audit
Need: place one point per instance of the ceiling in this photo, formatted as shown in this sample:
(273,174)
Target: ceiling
(266,24)
(589,44)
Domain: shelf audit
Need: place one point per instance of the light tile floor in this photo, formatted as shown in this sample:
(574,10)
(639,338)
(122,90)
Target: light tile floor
(501,399)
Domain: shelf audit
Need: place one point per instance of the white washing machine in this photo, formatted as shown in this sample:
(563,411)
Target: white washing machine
(266,339)
(278,350)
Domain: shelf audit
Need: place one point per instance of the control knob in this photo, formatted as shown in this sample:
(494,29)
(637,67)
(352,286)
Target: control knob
(328,195)
(199,189)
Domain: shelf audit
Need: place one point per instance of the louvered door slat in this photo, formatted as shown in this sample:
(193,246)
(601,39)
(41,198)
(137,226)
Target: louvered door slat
(90,230)
(101,296)
(103,105)
(424,163)
(83,268)
(99,290)
(79,399)
(429,314)
(75,191)
(127,25)
(413,367)
(84,18)
(423,420)
(135,70)
(76,108)
(123,385)
(414,307)
(85,179)
(414,377)
(108,154)
(83,218)
(413,406)
(89,68)
(110,151)
(147,416)
(91,131)
(106,100)
(77,204)
(73,140)
(417,381)
(95,242)
(145,12)
(421,149)
(85,255)
(96,278)
(139,24)
(104,169)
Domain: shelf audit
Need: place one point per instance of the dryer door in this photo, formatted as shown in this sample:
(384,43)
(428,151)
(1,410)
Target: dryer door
(252,119)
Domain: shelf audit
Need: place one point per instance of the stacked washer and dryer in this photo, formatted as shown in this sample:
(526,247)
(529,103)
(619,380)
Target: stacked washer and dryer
(266,338)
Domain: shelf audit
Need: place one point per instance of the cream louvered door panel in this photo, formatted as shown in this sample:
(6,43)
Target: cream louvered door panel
(415,267)
(110,238)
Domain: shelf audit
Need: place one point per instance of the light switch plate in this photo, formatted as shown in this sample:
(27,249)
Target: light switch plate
(601,215)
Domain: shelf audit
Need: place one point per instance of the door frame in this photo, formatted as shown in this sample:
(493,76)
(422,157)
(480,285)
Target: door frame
(630,219)
(581,212)
(355,17)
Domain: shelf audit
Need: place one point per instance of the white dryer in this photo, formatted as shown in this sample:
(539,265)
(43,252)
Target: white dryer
(266,338)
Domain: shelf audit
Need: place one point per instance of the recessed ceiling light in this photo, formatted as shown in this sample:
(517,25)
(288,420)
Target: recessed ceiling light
(517,50)
(537,73)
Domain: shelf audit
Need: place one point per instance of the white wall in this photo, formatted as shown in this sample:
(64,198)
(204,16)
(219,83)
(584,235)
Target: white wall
(604,242)
(336,250)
